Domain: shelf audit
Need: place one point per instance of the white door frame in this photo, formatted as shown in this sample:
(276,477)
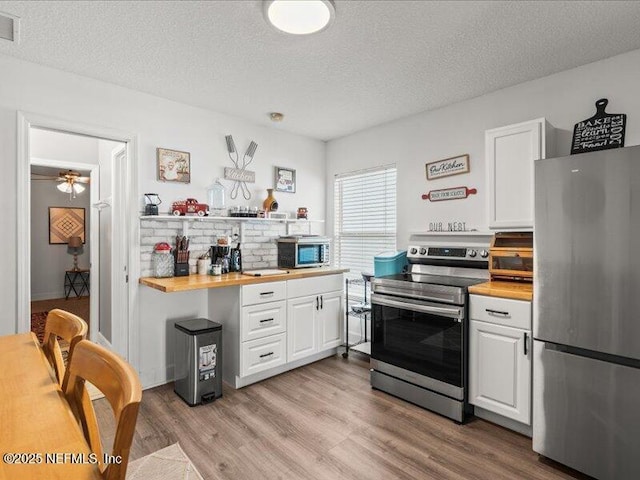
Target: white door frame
(127,346)
(94,230)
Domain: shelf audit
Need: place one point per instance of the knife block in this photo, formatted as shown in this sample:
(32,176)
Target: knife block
(181,263)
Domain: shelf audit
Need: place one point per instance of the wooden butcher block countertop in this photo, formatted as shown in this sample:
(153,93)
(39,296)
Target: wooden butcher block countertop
(197,282)
(504,289)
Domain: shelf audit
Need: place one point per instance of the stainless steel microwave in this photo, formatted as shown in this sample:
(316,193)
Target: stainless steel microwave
(299,251)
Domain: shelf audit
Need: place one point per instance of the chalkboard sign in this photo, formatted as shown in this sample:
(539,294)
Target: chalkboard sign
(600,132)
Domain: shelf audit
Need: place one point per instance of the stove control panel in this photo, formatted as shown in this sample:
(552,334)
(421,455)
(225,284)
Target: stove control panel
(419,252)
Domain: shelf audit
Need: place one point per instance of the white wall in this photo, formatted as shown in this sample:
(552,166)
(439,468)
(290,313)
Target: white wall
(49,262)
(158,123)
(563,99)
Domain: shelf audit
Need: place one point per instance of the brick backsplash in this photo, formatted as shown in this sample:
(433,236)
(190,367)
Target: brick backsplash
(259,248)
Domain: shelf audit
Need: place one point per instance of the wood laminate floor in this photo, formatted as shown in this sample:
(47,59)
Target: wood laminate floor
(323,421)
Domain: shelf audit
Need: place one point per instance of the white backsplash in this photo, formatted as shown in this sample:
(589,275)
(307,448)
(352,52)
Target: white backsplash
(258,245)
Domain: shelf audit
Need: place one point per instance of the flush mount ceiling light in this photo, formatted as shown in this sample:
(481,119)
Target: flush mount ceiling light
(299,17)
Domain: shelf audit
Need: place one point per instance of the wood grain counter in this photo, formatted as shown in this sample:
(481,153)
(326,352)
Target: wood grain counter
(504,289)
(36,418)
(198,282)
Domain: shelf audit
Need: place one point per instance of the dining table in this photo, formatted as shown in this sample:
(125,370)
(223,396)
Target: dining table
(39,436)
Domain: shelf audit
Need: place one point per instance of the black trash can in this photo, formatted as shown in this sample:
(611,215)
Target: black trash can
(198,360)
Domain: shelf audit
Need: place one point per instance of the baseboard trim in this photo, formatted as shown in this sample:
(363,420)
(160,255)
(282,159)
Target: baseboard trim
(36,297)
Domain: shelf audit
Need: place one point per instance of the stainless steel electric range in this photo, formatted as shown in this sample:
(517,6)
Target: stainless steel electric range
(420,326)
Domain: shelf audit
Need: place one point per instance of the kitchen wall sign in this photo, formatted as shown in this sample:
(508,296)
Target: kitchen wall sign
(450,227)
(455,193)
(173,165)
(240,175)
(600,132)
(447,167)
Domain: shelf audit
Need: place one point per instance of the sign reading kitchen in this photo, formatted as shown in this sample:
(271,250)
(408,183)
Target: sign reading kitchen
(447,167)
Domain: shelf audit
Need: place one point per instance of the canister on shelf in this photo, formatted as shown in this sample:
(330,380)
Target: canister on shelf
(162,260)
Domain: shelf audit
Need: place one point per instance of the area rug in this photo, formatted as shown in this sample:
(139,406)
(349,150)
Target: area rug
(170,463)
(38,321)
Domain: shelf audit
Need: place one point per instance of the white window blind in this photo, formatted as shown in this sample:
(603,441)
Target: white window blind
(365,217)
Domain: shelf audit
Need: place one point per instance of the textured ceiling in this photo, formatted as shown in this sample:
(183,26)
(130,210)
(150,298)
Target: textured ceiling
(379,61)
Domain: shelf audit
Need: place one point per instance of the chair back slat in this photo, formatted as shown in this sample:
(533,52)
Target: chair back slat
(120,384)
(67,326)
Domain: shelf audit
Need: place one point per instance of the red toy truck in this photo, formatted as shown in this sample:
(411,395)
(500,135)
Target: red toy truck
(190,205)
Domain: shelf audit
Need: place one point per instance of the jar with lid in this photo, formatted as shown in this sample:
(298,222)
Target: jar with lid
(162,260)
(215,197)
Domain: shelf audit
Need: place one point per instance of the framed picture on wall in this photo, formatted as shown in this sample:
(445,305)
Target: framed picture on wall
(173,165)
(285,180)
(65,223)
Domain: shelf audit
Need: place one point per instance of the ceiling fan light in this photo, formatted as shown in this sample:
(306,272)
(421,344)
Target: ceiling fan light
(64,187)
(299,17)
(78,188)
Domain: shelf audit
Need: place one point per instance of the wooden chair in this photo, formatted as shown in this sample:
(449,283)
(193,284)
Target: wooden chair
(69,327)
(120,384)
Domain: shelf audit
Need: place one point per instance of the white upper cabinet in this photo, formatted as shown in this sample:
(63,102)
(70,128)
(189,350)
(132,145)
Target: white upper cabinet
(510,155)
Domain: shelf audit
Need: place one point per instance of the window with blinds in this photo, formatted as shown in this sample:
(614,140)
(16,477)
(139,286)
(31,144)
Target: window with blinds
(365,218)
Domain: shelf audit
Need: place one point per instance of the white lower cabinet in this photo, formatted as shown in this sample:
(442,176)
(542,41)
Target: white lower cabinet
(500,360)
(314,324)
(301,321)
(262,354)
(272,327)
(330,320)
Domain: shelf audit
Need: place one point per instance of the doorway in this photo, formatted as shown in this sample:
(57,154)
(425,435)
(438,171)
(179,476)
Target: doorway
(86,275)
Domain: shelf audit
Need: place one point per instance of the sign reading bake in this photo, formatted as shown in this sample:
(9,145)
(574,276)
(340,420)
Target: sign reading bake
(239,175)
(447,167)
(454,193)
(600,132)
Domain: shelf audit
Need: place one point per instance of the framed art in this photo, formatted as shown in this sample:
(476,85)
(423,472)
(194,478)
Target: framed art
(285,180)
(447,167)
(65,223)
(173,165)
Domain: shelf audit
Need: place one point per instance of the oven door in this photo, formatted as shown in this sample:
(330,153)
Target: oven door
(420,337)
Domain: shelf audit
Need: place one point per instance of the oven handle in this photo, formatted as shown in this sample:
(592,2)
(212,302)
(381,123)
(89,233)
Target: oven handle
(418,306)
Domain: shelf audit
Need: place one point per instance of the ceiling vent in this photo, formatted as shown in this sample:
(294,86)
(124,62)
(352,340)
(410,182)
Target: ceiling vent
(9,27)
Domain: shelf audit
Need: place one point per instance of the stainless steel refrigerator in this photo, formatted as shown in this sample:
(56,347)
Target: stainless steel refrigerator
(586,324)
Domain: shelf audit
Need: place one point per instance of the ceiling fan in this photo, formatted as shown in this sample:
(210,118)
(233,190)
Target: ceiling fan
(68,182)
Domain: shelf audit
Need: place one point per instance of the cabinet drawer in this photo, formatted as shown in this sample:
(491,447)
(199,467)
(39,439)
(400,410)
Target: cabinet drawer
(262,320)
(501,311)
(263,354)
(264,292)
(303,287)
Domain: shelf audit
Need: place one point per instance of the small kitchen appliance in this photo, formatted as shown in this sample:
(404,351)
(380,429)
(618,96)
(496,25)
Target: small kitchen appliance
(390,263)
(299,251)
(420,331)
(198,360)
(151,201)
(221,255)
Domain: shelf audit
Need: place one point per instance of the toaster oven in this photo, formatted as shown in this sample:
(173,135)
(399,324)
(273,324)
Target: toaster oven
(299,251)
